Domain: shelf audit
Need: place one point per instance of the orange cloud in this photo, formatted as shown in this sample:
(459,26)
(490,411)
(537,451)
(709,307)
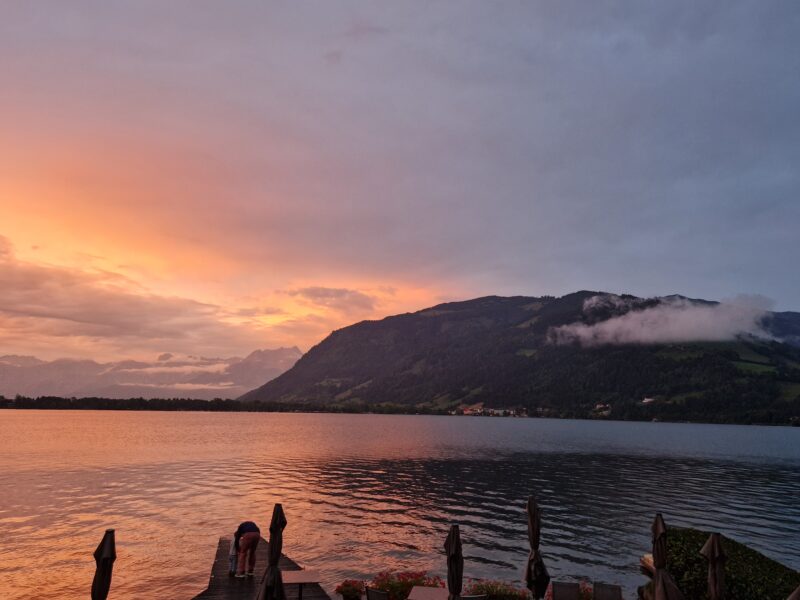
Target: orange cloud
(54,310)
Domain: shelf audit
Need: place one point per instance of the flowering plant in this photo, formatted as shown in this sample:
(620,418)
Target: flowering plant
(350,588)
(495,590)
(399,584)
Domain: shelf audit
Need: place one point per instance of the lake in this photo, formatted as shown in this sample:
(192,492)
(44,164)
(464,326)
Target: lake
(364,493)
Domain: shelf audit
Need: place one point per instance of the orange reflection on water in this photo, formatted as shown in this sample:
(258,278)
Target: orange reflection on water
(364,493)
(169,484)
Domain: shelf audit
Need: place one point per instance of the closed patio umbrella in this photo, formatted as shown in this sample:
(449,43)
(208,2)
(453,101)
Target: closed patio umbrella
(715,555)
(659,529)
(536,576)
(455,562)
(272,584)
(104,556)
(665,588)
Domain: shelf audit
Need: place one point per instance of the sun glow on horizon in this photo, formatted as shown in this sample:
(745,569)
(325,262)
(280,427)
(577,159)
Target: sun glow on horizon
(128,244)
(79,303)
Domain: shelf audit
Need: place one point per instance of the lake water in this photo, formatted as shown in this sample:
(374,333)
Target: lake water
(364,493)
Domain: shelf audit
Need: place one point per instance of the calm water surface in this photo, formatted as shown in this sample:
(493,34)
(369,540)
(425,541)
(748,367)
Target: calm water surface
(364,493)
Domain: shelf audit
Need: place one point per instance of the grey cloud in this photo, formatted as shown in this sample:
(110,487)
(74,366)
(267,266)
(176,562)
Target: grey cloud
(334,57)
(339,299)
(494,147)
(363,30)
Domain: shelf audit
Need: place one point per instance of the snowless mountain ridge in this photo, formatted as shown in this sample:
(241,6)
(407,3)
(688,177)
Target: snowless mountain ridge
(169,376)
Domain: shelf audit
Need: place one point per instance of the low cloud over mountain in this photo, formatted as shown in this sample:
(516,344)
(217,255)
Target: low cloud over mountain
(166,377)
(673,319)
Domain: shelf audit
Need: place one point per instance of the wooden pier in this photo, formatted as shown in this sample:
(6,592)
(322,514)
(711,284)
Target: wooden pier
(223,587)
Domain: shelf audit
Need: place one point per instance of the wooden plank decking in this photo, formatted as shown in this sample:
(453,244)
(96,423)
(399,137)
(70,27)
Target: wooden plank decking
(223,587)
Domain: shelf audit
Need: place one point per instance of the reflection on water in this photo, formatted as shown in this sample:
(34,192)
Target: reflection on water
(366,493)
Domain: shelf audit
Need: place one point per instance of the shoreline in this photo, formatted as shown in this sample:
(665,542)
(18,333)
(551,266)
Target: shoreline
(225,406)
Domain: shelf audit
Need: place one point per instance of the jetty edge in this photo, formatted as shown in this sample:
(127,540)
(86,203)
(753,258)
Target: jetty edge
(223,587)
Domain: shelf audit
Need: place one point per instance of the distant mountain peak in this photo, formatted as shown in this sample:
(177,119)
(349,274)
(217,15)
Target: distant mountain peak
(20,360)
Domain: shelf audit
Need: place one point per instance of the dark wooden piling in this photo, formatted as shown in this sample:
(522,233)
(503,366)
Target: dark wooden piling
(223,587)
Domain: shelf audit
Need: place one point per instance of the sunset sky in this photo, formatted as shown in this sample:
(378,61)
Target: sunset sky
(214,177)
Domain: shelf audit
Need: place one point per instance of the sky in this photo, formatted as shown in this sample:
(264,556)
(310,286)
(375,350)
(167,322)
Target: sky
(209,178)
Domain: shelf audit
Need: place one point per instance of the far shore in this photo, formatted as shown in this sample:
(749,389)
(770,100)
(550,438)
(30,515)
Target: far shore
(233,406)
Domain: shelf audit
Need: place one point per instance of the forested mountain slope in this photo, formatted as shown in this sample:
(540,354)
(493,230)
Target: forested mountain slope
(525,353)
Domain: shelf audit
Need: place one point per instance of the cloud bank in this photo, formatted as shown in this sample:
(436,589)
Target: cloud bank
(43,305)
(54,311)
(671,320)
(442,144)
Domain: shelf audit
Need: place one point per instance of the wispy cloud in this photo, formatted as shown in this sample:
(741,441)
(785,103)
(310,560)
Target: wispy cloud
(362,29)
(339,299)
(258,311)
(334,57)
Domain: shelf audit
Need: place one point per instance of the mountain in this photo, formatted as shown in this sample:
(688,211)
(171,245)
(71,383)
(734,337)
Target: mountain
(584,354)
(167,377)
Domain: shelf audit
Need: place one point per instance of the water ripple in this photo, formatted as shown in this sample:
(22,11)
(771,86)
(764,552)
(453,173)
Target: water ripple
(172,483)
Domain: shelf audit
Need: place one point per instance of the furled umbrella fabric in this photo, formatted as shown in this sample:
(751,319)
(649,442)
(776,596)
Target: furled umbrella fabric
(104,556)
(715,555)
(455,562)
(272,584)
(659,529)
(665,588)
(536,576)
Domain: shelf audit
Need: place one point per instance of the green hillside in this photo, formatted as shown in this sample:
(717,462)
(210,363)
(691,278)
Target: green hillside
(498,352)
